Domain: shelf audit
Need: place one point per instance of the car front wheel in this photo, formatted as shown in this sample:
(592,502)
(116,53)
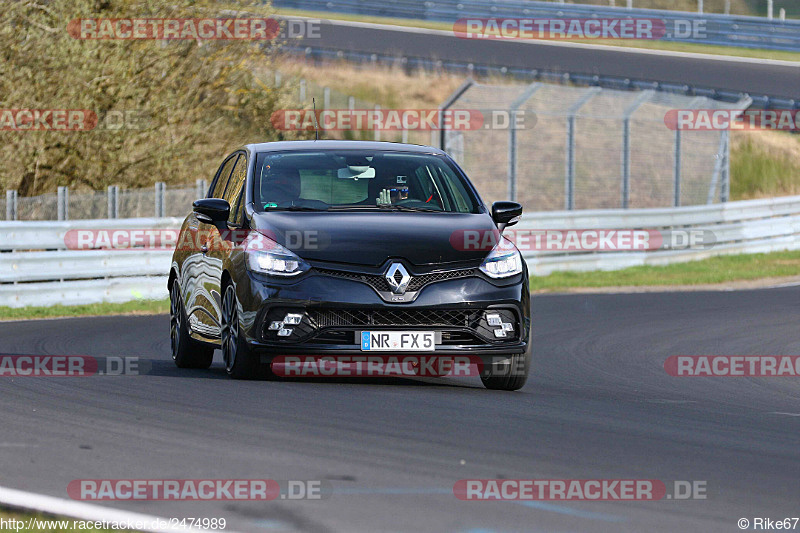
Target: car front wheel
(240,361)
(509,374)
(186,352)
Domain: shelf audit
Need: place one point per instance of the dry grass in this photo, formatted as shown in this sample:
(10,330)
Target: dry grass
(390,87)
(764,164)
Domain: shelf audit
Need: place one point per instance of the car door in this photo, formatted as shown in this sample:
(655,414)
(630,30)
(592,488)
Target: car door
(200,271)
(219,245)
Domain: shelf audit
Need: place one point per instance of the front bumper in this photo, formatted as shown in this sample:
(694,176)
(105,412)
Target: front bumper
(336,309)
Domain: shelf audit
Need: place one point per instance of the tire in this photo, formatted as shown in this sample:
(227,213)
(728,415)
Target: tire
(186,352)
(240,361)
(505,376)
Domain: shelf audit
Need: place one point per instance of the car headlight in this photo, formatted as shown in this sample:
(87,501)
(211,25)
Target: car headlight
(503,261)
(268,257)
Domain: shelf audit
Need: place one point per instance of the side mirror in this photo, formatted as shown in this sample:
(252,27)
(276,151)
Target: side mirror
(506,213)
(211,210)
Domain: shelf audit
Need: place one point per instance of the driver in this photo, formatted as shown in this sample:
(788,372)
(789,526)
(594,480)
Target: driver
(280,186)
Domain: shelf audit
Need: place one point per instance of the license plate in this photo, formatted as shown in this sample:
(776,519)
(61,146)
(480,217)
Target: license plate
(399,341)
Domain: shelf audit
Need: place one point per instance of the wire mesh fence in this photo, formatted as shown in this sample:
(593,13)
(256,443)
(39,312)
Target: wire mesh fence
(549,147)
(88,205)
(569,147)
(159,201)
(42,207)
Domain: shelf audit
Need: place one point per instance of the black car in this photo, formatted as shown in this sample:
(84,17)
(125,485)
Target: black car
(342,248)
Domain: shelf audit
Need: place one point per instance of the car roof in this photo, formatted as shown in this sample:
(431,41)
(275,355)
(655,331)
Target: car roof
(339,145)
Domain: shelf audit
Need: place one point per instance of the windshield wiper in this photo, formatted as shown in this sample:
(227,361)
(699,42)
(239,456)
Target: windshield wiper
(395,207)
(293,208)
(381,207)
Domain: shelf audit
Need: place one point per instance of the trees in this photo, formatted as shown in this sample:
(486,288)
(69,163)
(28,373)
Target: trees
(167,110)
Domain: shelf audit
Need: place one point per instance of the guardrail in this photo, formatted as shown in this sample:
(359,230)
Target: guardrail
(751,226)
(37,269)
(722,30)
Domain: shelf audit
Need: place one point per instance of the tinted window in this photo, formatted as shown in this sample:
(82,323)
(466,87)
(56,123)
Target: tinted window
(222,178)
(358,179)
(234,190)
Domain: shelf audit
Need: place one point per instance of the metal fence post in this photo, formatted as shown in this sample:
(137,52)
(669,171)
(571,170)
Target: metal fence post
(113,201)
(302,90)
(626,145)
(202,188)
(677,168)
(725,188)
(512,138)
(11,205)
(469,82)
(161,189)
(375,123)
(326,98)
(569,178)
(404,135)
(351,103)
(63,203)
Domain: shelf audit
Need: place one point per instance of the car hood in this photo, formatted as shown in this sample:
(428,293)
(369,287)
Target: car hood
(371,238)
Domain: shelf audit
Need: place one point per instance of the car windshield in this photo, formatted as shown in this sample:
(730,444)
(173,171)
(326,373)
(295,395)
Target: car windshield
(359,180)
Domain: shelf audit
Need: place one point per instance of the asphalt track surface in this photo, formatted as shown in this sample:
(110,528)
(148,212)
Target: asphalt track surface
(757,77)
(599,405)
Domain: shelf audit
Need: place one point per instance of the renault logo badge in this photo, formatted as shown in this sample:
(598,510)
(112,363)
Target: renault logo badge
(397,276)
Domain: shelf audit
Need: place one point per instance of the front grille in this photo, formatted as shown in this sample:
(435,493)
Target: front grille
(379,283)
(418,282)
(455,318)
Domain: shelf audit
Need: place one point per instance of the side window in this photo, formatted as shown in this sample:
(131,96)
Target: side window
(234,190)
(222,177)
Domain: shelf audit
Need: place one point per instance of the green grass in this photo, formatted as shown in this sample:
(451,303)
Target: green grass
(650,45)
(6,514)
(137,307)
(721,269)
